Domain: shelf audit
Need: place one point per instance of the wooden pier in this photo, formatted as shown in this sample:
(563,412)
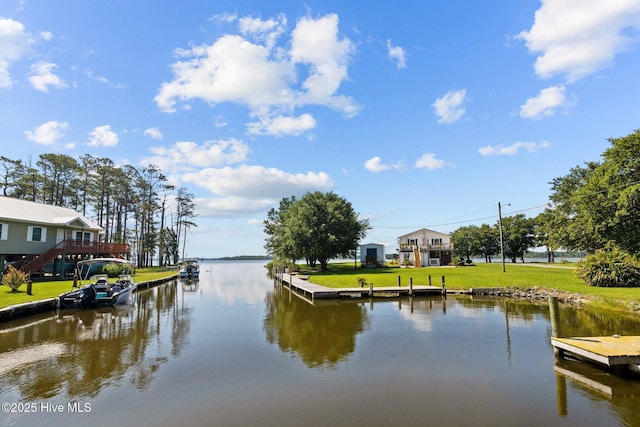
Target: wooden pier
(311,291)
(622,353)
(615,351)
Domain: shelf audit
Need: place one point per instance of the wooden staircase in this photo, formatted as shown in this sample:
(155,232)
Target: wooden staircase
(417,257)
(32,264)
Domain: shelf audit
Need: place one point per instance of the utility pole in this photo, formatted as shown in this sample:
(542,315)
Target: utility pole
(501,236)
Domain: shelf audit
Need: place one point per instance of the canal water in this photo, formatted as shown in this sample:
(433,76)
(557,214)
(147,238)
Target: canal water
(233,349)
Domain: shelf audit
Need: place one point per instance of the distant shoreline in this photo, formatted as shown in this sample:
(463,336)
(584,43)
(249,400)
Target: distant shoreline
(238,258)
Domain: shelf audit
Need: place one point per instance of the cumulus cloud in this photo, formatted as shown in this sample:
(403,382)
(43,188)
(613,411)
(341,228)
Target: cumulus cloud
(398,54)
(42,77)
(103,136)
(15,42)
(511,150)
(231,207)
(375,165)
(308,70)
(450,107)
(186,155)
(545,104)
(258,182)
(575,38)
(429,161)
(47,133)
(153,133)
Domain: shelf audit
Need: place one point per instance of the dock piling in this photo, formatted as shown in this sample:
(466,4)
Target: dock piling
(556,330)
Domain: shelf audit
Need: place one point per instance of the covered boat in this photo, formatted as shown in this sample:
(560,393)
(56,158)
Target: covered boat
(189,269)
(110,284)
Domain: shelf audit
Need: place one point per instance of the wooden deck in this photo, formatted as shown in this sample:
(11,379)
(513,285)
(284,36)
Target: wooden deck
(311,291)
(609,351)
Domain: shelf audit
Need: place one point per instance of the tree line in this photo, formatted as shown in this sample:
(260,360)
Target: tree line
(130,204)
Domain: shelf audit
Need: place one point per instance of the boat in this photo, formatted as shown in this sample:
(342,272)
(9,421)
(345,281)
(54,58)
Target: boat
(102,291)
(189,269)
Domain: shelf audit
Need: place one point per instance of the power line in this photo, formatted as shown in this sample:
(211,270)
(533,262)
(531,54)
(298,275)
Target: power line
(465,221)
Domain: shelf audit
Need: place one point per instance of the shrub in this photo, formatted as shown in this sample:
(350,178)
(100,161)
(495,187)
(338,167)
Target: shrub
(14,278)
(610,268)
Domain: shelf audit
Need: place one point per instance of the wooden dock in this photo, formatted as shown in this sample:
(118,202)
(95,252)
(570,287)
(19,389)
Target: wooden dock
(614,351)
(311,291)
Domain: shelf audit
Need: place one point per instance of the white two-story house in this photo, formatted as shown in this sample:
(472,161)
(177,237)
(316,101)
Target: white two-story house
(424,247)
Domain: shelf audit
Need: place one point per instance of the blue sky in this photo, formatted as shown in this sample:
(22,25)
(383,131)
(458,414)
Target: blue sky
(420,113)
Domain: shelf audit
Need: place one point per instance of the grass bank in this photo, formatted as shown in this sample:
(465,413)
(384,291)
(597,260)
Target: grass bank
(49,289)
(560,277)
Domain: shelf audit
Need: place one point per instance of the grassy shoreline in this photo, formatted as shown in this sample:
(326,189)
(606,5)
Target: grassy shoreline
(42,290)
(550,277)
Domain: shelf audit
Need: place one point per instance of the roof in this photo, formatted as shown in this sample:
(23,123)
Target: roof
(38,213)
(425,231)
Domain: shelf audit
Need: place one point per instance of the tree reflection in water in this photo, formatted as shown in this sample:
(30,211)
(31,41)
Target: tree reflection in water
(99,347)
(322,336)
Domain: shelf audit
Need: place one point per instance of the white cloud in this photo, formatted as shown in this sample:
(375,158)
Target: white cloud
(14,44)
(257,182)
(47,133)
(429,161)
(511,150)
(46,35)
(90,74)
(226,72)
(224,18)
(267,31)
(186,155)
(280,125)
(545,104)
(42,77)
(153,133)
(375,165)
(103,136)
(398,54)
(578,37)
(231,207)
(450,107)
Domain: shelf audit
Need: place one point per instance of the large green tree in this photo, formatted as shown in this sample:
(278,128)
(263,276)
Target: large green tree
(318,227)
(598,205)
(518,236)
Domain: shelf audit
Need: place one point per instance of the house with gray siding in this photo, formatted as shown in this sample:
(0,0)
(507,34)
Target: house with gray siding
(33,235)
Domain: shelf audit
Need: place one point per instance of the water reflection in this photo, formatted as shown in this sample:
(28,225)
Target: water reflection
(321,336)
(77,353)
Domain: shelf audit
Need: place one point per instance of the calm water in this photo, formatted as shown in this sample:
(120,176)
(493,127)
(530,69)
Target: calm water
(236,351)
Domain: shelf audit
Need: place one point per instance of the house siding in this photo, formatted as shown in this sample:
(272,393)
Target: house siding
(17,239)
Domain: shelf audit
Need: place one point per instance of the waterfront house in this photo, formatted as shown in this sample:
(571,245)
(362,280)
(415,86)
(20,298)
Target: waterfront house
(36,237)
(372,255)
(424,247)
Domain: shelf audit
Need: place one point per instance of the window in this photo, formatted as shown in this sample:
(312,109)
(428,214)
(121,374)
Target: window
(36,234)
(4,231)
(436,241)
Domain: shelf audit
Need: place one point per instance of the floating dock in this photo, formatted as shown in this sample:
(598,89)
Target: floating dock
(614,351)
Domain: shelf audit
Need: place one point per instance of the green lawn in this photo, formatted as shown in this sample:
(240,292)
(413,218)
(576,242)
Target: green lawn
(561,277)
(48,289)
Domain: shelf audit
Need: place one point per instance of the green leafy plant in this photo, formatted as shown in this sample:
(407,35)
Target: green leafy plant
(610,268)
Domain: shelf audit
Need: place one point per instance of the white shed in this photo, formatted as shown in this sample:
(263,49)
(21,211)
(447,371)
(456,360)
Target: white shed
(372,255)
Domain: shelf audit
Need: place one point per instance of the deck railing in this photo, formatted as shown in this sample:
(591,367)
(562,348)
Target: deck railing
(435,247)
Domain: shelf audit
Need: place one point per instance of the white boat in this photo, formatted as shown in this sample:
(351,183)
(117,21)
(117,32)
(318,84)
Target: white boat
(189,269)
(102,291)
